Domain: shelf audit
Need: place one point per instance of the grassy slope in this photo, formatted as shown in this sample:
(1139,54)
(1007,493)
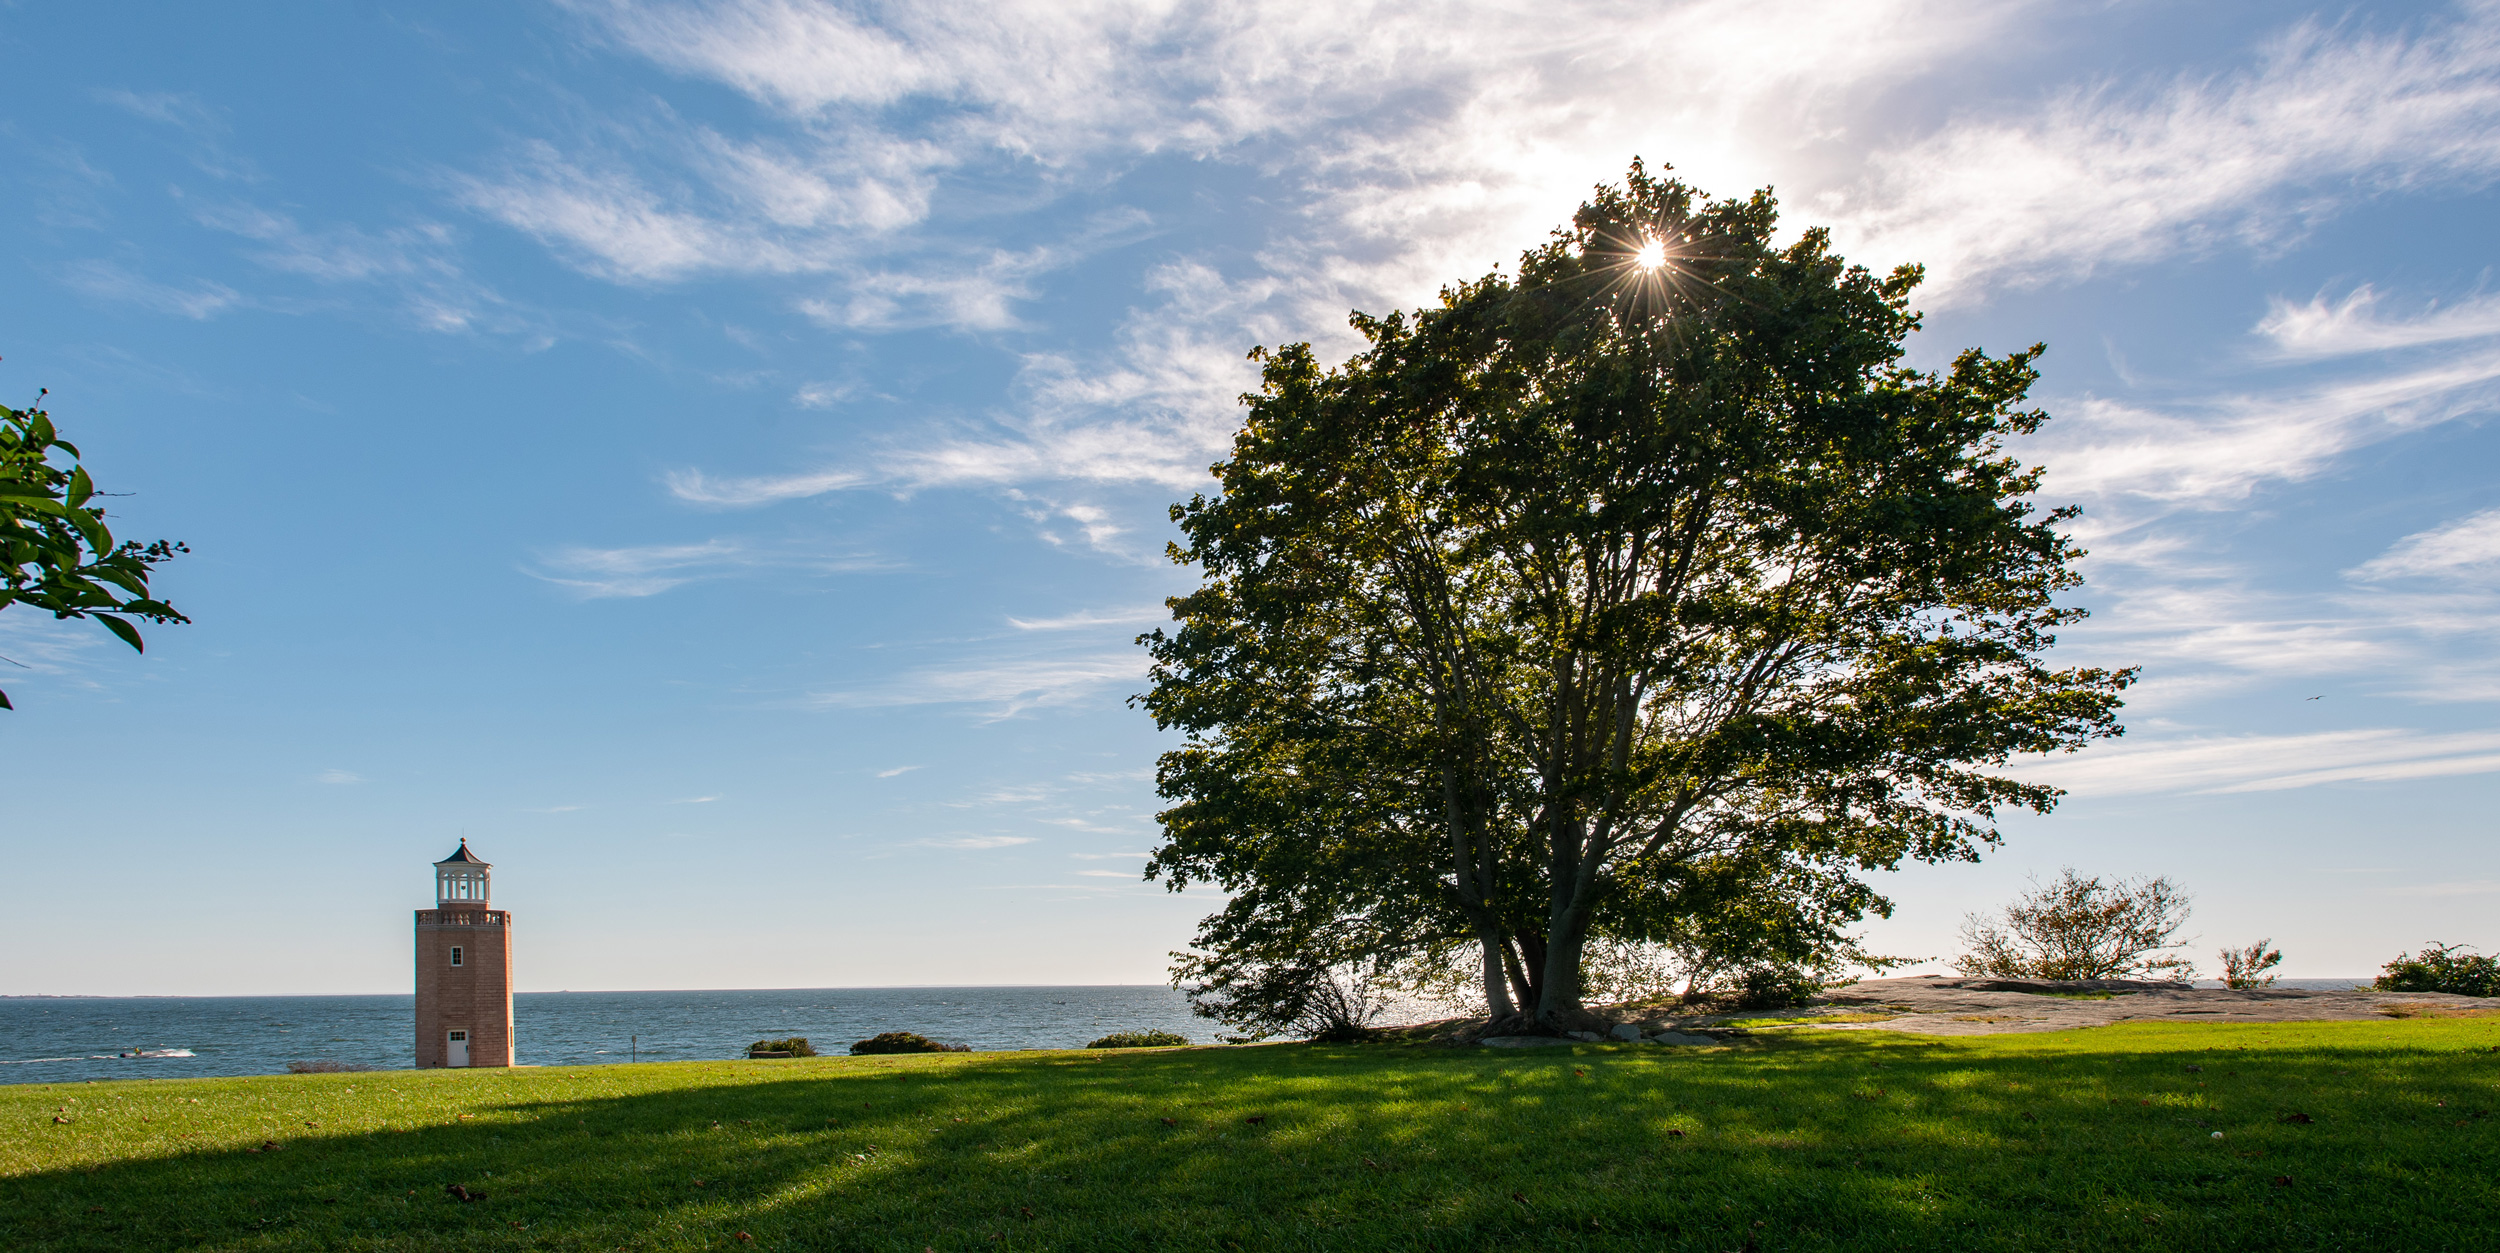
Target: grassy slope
(2087,1139)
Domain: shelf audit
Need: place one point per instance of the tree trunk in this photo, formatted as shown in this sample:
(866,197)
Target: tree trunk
(1497,1002)
(1558,1004)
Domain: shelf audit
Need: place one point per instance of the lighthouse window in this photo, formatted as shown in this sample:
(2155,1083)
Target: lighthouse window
(455,954)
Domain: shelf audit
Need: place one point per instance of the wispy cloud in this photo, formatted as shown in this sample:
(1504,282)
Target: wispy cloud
(898,770)
(552,809)
(650,569)
(1006,688)
(105,280)
(340,777)
(977,842)
(694,800)
(1092,618)
(1109,856)
(2469,546)
(2107,177)
(2258,763)
(2211,452)
(204,128)
(2321,328)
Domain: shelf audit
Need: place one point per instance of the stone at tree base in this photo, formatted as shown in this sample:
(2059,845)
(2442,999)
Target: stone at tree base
(1586,1037)
(1523,1042)
(1681,1038)
(1627,1032)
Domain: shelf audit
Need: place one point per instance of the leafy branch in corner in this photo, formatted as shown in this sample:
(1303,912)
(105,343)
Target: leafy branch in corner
(56,553)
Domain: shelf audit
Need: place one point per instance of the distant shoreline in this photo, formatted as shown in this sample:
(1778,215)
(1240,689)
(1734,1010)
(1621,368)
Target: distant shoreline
(269,996)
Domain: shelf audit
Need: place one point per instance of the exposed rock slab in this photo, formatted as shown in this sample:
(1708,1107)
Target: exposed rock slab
(1949,1006)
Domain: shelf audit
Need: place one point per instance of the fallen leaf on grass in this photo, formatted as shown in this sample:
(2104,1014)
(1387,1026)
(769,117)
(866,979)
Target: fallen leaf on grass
(1171,1122)
(95,1209)
(1675,1133)
(2296,1117)
(1519,1198)
(2282,1181)
(1254,1118)
(459,1193)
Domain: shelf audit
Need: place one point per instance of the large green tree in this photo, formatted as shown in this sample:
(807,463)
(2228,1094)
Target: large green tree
(56,553)
(1647,589)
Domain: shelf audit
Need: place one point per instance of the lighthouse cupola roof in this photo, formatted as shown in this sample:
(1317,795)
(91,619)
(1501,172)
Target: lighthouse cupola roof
(462,855)
(464,878)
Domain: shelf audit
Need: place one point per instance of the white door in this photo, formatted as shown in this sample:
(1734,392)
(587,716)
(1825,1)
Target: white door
(458,1054)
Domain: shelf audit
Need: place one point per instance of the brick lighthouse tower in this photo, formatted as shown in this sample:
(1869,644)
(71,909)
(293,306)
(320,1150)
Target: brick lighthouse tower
(464,969)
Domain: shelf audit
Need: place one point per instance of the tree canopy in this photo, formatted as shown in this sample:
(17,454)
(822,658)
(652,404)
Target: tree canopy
(1646,595)
(56,553)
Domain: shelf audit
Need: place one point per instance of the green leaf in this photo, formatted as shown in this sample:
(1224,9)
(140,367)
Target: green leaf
(129,633)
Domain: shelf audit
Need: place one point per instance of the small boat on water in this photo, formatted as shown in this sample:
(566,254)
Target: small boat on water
(158,1053)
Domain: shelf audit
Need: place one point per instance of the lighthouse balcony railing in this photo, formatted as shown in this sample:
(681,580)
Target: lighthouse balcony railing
(463,916)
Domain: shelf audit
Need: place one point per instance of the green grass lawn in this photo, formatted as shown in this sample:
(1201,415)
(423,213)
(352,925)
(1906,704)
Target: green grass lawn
(2370,1135)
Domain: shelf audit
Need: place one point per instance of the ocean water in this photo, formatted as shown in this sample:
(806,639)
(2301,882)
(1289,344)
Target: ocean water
(68,1039)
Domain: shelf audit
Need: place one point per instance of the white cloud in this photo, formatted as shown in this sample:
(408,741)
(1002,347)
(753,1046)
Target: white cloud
(199,300)
(2108,177)
(695,800)
(1108,874)
(2323,328)
(2467,547)
(648,570)
(2211,452)
(1007,688)
(821,395)
(898,770)
(704,489)
(1092,617)
(978,841)
(340,777)
(2255,763)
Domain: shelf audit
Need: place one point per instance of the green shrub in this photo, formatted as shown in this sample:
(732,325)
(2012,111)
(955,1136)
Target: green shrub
(2443,968)
(1139,1040)
(905,1042)
(1776,987)
(795,1046)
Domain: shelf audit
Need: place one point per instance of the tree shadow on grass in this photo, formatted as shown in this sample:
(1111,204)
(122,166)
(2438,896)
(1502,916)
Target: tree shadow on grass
(1827,1142)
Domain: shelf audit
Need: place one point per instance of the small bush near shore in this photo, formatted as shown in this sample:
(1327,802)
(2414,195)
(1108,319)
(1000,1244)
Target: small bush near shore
(795,1046)
(905,1042)
(1140,1040)
(326,1068)
(2452,968)
(1776,988)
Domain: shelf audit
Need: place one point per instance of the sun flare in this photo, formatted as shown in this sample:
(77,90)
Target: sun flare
(1651,255)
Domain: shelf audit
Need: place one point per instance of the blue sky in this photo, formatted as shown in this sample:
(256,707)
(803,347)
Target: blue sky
(715,455)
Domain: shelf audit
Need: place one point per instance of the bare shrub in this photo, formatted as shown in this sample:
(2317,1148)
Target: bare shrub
(2082,928)
(2246,967)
